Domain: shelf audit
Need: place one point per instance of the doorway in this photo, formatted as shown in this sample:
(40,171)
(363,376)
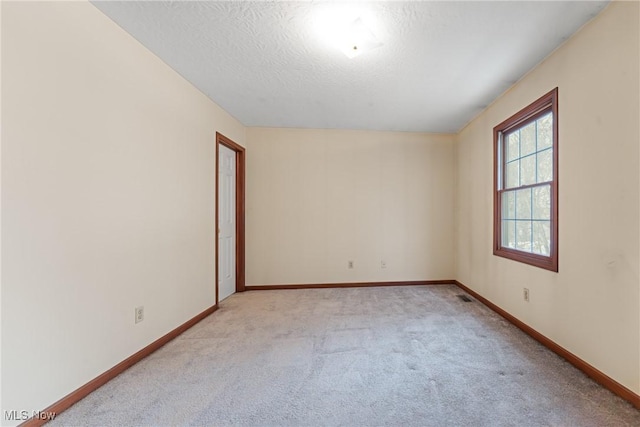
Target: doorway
(230,169)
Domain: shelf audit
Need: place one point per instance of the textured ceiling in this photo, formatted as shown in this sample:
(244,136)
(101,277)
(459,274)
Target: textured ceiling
(267,64)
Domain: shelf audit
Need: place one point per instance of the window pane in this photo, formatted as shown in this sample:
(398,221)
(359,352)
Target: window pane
(528,139)
(523,204)
(542,202)
(525,165)
(512,178)
(509,234)
(513,146)
(528,170)
(508,205)
(523,235)
(542,237)
(545,165)
(545,132)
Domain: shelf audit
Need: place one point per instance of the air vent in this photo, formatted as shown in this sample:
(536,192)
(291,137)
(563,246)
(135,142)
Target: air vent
(464,298)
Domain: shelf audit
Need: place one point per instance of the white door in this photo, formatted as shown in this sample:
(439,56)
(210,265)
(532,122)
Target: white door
(226,222)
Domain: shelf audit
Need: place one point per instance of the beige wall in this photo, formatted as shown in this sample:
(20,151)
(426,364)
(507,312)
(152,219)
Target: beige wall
(108,187)
(591,307)
(319,198)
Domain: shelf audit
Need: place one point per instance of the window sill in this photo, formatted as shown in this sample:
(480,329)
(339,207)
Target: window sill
(546,262)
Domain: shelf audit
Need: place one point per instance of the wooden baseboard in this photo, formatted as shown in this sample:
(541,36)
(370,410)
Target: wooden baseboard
(349,285)
(75,396)
(598,376)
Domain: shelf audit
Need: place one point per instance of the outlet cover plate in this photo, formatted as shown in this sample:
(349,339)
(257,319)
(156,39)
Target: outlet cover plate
(139,314)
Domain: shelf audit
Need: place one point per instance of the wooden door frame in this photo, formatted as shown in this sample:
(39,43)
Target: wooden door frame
(240,192)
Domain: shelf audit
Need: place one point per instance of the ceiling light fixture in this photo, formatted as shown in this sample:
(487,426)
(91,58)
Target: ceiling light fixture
(346,28)
(357,39)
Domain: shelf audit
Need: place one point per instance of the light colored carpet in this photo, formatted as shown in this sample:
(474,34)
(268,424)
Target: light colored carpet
(414,355)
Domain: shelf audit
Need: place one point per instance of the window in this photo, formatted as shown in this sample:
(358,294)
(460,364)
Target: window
(526,184)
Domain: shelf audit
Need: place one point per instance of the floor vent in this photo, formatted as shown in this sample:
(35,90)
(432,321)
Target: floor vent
(465,298)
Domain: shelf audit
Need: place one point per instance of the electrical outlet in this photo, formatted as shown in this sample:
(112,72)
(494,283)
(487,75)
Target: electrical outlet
(139,314)
(383,264)
(350,264)
(525,294)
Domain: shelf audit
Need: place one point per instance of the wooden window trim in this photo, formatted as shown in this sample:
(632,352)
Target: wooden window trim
(528,114)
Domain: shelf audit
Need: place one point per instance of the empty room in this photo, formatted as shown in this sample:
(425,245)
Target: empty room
(419,213)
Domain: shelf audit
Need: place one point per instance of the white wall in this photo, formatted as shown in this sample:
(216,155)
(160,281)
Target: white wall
(319,198)
(591,307)
(108,187)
